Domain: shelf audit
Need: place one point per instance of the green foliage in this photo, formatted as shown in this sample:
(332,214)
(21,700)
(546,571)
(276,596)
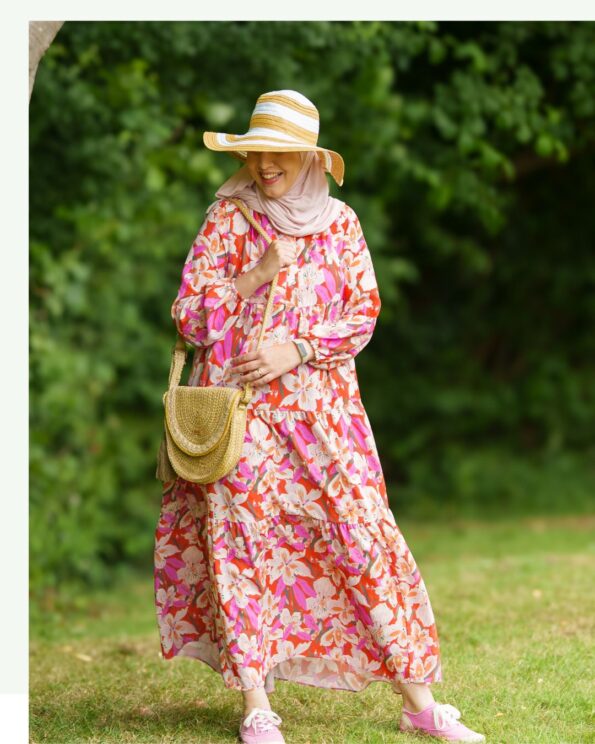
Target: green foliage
(469,152)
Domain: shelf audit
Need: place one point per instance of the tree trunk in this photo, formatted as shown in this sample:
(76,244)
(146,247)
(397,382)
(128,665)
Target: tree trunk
(41,35)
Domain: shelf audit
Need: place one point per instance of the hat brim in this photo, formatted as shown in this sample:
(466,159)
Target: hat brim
(239,145)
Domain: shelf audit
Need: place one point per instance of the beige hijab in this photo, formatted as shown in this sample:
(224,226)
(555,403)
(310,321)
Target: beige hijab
(305,209)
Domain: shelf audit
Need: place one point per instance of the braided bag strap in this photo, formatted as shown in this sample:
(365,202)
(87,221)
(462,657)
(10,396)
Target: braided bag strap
(267,311)
(179,351)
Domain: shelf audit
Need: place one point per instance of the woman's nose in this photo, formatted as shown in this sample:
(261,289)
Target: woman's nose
(265,159)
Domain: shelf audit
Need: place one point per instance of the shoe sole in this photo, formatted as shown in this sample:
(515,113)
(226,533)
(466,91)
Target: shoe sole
(276,741)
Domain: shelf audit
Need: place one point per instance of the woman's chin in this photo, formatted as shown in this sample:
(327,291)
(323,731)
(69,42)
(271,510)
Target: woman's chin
(273,191)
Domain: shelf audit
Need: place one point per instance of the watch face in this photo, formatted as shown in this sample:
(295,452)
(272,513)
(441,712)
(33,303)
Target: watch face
(301,349)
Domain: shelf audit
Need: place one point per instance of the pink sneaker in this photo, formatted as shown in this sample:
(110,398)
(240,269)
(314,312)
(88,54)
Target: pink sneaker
(439,720)
(260,727)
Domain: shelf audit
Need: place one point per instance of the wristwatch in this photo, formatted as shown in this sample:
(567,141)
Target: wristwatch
(302,350)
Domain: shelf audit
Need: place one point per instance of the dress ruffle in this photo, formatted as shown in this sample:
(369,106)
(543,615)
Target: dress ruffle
(337,605)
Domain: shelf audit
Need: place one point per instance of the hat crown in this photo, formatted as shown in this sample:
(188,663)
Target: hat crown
(286,112)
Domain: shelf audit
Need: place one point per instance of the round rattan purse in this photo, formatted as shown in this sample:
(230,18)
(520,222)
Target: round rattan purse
(205,426)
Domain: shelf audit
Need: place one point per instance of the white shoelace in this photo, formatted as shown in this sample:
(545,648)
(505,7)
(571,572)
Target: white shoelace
(263,720)
(445,715)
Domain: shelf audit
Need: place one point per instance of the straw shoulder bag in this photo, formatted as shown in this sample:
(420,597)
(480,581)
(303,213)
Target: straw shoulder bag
(205,426)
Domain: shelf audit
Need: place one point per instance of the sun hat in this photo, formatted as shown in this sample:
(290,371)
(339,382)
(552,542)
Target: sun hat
(282,121)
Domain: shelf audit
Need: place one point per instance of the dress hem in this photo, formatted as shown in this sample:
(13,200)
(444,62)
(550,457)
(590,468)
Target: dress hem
(201,651)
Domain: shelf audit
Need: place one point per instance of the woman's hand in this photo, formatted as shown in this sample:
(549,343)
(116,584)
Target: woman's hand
(262,366)
(279,254)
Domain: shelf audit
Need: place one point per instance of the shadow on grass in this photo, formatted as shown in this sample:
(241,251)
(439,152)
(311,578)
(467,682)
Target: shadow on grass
(213,722)
(307,713)
(89,720)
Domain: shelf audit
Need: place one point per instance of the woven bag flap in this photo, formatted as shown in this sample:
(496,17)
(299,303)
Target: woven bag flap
(198,417)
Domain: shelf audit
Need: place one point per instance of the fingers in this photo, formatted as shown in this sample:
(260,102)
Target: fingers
(254,375)
(289,250)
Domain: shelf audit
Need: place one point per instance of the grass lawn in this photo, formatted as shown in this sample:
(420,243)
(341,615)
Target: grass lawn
(514,605)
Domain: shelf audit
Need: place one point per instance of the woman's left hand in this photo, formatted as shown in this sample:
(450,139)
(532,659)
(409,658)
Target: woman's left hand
(262,366)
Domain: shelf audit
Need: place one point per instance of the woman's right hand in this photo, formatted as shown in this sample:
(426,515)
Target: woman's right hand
(279,254)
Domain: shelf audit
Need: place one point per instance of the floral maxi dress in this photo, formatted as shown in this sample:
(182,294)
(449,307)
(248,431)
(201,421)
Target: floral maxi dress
(291,566)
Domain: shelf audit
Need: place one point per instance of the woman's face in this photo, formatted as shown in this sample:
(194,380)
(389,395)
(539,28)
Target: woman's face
(281,167)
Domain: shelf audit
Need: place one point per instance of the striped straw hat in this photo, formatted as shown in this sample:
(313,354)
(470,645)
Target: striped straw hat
(282,121)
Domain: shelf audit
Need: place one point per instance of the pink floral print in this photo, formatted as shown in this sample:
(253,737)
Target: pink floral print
(292,566)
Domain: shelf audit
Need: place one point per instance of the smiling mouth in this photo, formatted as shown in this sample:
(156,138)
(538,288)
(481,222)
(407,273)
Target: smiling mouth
(271,177)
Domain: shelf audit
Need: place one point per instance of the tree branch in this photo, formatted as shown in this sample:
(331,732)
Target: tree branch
(41,35)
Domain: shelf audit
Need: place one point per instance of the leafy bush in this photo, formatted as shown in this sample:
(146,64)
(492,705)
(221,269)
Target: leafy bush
(469,152)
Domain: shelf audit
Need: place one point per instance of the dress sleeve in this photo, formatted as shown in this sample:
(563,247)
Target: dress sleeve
(336,342)
(208,303)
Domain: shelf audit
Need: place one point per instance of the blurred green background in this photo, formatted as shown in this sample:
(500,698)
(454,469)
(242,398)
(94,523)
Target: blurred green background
(470,160)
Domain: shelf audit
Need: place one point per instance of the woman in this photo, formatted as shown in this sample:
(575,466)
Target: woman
(291,566)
